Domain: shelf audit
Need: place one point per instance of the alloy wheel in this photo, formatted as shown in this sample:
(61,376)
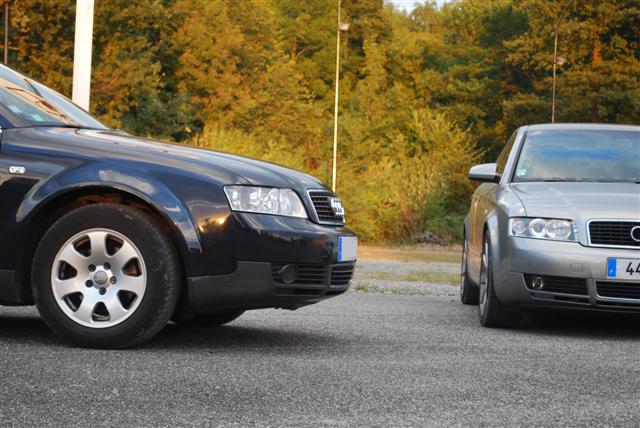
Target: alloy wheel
(98,278)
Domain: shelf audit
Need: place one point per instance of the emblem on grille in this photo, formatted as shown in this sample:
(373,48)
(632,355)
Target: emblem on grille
(635,233)
(336,206)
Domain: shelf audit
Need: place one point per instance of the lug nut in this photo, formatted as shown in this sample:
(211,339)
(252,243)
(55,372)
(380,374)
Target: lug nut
(114,280)
(89,283)
(103,290)
(92,268)
(107,266)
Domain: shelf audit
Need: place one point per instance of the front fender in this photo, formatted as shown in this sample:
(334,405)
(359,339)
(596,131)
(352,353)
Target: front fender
(145,187)
(507,205)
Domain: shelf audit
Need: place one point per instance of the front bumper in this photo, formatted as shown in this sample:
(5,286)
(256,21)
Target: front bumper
(578,275)
(254,285)
(264,245)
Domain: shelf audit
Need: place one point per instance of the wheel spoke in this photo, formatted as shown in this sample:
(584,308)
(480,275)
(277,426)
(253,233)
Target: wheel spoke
(72,257)
(134,284)
(115,308)
(122,257)
(64,287)
(85,311)
(98,245)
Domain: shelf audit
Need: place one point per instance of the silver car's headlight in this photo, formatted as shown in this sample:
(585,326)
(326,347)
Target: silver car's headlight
(265,200)
(543,228)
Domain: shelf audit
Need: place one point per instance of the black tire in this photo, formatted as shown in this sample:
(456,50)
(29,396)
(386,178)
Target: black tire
(469,291)
(210,320)
(492,312)
(162,267)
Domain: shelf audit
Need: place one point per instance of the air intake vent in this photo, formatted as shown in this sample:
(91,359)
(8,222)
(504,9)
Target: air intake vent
(322,203)
(624,290)
(341,274)
(614,233)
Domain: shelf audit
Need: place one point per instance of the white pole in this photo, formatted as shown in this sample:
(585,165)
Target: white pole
(335,113)
(82,53)
(553,90)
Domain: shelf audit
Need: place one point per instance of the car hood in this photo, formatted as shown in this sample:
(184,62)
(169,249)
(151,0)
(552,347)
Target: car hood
(223,168)
(580,201)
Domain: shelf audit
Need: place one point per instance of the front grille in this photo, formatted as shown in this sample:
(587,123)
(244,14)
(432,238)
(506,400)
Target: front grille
(624,290)
(559,284)
(613,233)
(308,274)
(322,204)
(341,274)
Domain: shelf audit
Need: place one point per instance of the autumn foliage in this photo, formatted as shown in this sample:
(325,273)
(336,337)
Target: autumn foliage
(424,95)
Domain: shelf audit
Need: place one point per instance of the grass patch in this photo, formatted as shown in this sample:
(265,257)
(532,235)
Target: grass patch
(412,253)
(418,276)
(363,287)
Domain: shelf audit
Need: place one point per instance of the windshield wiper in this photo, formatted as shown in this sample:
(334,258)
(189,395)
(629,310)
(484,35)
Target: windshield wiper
(591,180)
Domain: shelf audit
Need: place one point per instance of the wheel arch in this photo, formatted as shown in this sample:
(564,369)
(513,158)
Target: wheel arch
(499,252)
(43,215)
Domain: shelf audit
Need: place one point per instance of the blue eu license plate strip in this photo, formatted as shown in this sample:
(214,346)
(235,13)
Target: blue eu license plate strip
(612,268)
(620,268)
(347,248)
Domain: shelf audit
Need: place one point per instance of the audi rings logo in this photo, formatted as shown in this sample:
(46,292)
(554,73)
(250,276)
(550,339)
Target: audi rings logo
(635,233)
(336,207)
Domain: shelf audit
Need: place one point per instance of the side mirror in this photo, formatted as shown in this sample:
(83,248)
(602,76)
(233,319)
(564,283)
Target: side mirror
(485,173)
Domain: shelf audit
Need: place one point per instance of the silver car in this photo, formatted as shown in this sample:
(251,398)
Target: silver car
(556,223)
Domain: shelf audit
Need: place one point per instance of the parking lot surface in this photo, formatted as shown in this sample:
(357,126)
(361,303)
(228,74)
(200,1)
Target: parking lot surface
(362,359)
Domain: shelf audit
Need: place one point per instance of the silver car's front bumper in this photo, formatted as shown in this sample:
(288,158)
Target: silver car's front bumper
(564,260)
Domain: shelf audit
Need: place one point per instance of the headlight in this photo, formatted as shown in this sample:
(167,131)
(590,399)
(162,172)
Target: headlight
(265,200)
(543,228)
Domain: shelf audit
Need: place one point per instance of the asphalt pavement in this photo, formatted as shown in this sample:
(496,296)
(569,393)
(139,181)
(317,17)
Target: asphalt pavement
(356,360)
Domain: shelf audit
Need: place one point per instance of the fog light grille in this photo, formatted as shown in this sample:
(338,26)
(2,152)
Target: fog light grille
(307,274)
(558,284)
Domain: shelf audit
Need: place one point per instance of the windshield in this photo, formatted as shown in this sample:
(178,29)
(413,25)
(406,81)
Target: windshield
(580,155)
(26,103)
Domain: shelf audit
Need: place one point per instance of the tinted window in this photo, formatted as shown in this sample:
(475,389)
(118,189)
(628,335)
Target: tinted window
(25,102)
(581,155)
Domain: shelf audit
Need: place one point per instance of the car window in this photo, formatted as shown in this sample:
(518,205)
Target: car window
(26,103)
(579,155)
(504,155)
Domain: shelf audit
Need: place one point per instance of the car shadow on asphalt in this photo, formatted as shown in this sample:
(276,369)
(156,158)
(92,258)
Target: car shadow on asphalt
(25,329)
(600,325)
(32,330)
(241,337)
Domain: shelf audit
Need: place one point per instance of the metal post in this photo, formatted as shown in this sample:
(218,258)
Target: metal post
(553,90)
(6,32)
(82,53)
(335,113)
(555,59)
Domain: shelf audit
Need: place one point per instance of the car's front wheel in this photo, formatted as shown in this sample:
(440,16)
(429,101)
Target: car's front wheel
(106,276)
(492,312)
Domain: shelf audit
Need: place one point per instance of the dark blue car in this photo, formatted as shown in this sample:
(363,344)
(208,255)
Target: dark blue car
(111,235)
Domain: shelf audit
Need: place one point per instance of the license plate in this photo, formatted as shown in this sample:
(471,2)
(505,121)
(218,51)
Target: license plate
(348,248)
(623,268)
